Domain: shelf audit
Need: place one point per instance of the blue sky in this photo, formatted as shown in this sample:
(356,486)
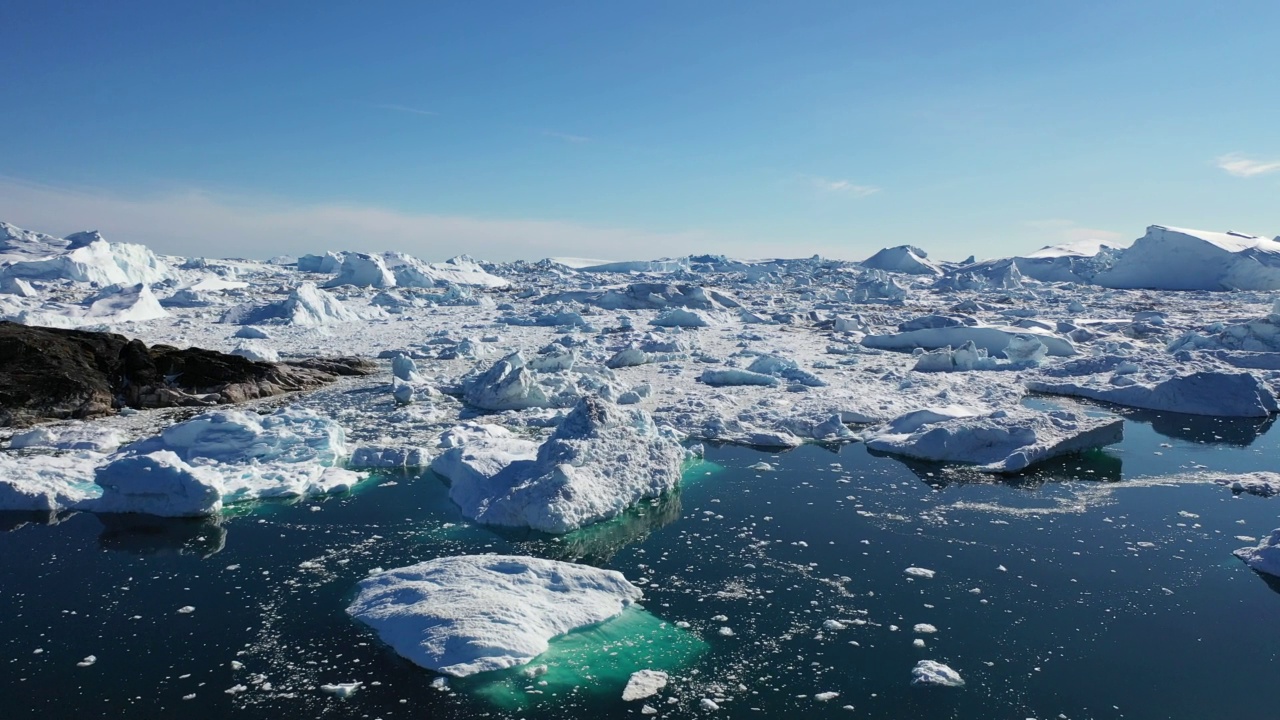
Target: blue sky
(620,130)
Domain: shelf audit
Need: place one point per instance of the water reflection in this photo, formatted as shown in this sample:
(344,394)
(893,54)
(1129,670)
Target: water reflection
(149,535)
(597,544)
(1095,464)
(11,520)
(1240,432)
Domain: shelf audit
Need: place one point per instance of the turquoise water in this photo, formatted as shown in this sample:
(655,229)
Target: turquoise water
(1105,589)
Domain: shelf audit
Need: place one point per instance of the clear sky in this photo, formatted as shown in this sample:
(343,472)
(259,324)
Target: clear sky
(623,130)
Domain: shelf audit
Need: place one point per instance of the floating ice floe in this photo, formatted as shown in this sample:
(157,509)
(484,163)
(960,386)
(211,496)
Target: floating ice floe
(1262,484)
(471,614)
(643,684)
(1265,556)
(600,460)
(930,672)
(1193,388)
(993,339)
(1004,441)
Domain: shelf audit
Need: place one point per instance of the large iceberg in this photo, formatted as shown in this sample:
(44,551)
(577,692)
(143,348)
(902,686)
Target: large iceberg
(903,259)
(469,614)
(600,460)
(1169,258)
(83,257)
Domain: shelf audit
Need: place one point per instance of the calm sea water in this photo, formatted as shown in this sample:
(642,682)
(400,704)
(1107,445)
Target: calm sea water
(1101,586)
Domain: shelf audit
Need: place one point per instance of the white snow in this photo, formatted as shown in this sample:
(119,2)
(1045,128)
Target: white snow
(469,614)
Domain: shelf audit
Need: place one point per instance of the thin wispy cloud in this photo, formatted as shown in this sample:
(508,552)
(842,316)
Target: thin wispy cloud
(1058,230)
(198,223)
(1240,166)
(567,137)
(843,187)
(406,109)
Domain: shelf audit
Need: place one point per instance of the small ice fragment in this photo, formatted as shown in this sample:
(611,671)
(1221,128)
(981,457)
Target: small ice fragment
(708,704)
(918,642)
(726,631)
(89,660)
(919,572)
(342,690)
(925,628)
(826,696)
(186,610)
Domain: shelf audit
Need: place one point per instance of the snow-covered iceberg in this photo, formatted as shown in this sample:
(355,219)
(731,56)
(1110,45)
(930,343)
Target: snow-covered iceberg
(1169,258)
(84,257)
(470,614)
(903,259)
(1265,556)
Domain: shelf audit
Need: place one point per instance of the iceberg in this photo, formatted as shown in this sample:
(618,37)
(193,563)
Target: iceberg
(600,460)
(1170,258)
(470,614)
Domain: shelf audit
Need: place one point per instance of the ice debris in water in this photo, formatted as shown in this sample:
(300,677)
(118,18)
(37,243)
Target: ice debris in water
(469,614)
(342,690)
(919,572)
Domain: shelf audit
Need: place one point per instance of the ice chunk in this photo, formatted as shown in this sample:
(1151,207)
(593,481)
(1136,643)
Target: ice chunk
(600,460)
(469,614)
(643,684)
(929,672)
(256,351)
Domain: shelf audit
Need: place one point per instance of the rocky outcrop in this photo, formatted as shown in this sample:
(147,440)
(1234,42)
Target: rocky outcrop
(49,373)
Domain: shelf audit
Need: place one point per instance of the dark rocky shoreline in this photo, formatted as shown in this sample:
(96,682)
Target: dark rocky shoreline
(54,374)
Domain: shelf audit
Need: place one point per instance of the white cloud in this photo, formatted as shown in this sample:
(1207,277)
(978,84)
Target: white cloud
(197,223)
(566,136)
(406,109)
(1068,231)
(1241,166)
(843,187)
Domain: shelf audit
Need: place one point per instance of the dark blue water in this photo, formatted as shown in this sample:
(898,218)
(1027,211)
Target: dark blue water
(1101,586)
